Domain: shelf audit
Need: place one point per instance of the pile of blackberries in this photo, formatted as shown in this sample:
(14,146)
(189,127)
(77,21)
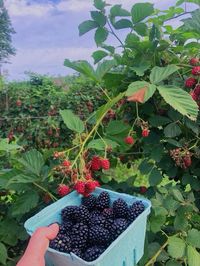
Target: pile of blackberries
(87,230)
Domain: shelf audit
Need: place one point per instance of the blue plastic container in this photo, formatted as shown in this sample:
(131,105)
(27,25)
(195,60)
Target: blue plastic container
(126,250)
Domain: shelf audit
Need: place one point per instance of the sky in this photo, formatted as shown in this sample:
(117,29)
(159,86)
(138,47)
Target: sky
(47,33)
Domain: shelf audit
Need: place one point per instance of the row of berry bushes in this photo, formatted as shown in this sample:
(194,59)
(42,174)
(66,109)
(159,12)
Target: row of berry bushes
(30,109)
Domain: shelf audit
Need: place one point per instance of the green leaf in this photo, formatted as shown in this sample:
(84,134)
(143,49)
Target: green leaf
(6,146)
(72,121)
(172,130)
(180,222)
(160,211)
(108,48)
(193,256)
(176,247)
(118,11)
(22,179)
(82,67)
(87,26)
(155,177)
(99,55)
(156,222)
(192,125)
(173,263)
(140,11)
(131,38)
(138,85)
(116,128)
(123,24)
(180,100)
(192,23)
(101,35)
(159,74)
(158,120)
(3,254)
(193,238)
(140,68)
(104,67)
(145,167)
(157,152)
(99,144)
(141,29)
(155,33)
(99,4)
(99,18)
(177,195)
(33,161)
(174,143)
(25,203)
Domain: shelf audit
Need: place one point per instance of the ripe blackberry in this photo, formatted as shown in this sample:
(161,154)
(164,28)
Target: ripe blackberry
(79,235)
(61,243)
(67,224)
(89,202)
(77,252)
(108,224)
(108,213)
(97,220)
(92,253)
(103,201)
(63,230)
(135,210)
(82,214)
(69,213)
(99,235)
(119,226)
(120,208)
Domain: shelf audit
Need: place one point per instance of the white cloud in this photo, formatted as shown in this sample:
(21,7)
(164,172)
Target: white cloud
(23,8)
(44,61)
(74,5)
(83,5)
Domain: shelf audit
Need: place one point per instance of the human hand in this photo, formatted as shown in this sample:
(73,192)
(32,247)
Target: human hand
(38,244)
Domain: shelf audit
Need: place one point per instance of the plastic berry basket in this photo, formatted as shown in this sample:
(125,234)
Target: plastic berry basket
(126,250)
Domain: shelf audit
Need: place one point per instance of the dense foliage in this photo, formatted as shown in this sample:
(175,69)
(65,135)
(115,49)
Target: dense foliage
(144,139)
(30,109)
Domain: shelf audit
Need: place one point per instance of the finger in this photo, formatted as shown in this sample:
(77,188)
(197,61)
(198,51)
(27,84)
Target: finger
(52,231)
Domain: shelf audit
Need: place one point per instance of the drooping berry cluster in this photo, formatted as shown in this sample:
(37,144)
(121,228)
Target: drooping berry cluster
(193,81)
(182,157)
(98,163)
(87,230)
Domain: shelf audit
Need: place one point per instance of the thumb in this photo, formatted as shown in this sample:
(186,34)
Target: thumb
(38,245)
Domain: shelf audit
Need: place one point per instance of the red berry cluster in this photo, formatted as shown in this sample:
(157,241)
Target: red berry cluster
(129,140)
(194,61)
(145,132)
(85,188)
(182,157)
(192,82)
(63,190)
(98,163)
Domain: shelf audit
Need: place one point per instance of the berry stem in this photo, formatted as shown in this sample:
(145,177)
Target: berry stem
(137,111)
(45,190)
(110,104)
(104,92)
(106,146)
